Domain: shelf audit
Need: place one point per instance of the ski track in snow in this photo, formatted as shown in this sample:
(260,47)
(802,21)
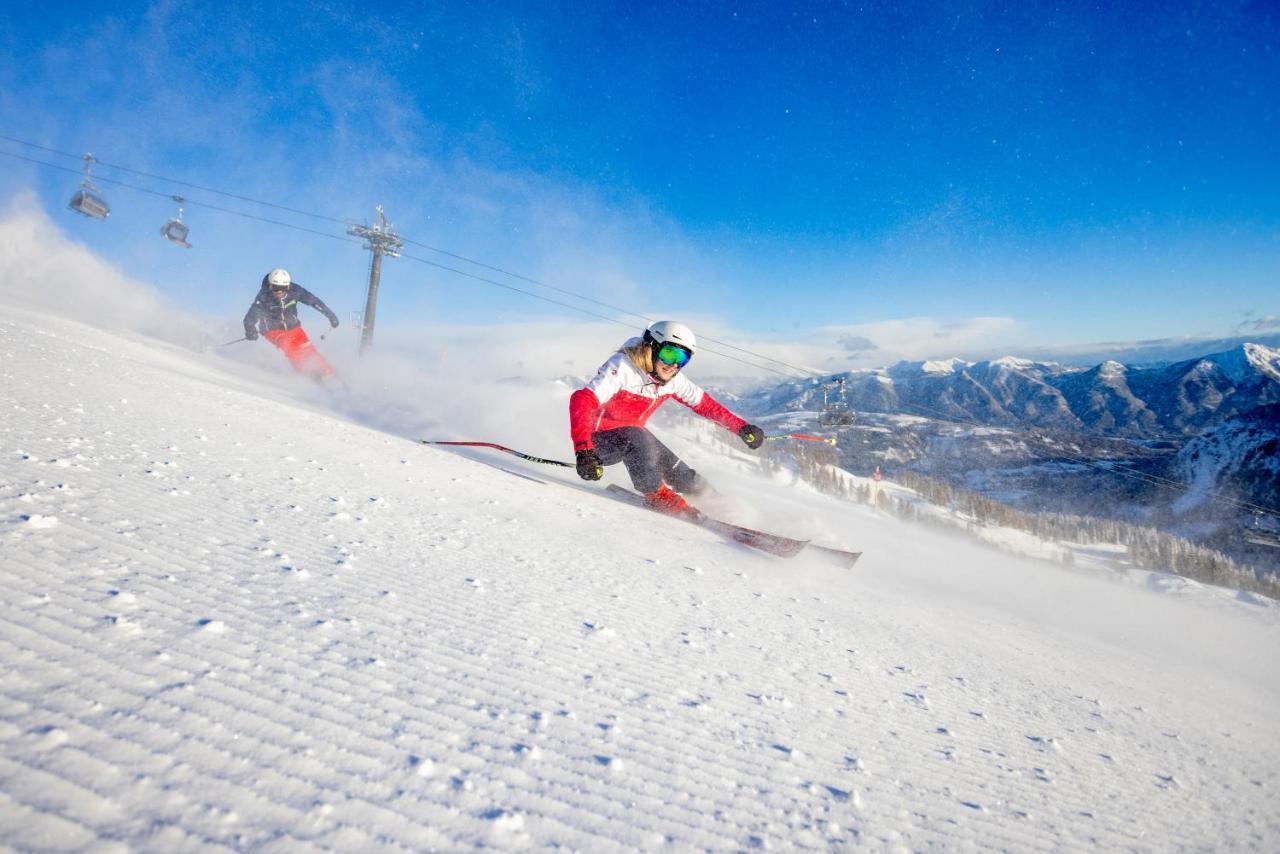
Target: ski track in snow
(231,620)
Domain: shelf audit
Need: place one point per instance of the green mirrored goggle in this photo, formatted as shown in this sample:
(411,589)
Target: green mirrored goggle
(674,354)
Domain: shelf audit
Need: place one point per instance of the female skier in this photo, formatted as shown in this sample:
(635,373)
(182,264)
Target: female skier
(606,419)
(275,313)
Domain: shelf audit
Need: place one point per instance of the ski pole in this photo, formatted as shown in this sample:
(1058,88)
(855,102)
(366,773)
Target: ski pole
(804,437)
(237,341)
(497,447)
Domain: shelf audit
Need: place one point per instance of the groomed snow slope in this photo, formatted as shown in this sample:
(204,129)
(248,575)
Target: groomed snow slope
(232,620)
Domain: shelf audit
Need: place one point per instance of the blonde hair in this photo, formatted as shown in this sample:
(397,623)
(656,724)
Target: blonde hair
(641,355)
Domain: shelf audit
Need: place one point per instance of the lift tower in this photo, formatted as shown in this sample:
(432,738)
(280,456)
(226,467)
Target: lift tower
(379,240)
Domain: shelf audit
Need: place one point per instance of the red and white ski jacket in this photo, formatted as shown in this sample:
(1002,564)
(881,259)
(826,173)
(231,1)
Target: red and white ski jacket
(621,395)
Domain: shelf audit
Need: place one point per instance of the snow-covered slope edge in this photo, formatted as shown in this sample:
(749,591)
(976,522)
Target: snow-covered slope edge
(230,620)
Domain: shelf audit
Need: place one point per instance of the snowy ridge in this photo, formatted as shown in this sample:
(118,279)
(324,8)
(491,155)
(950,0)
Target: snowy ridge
(1263,360)
(1243,456)
(234,620)
(1108,399)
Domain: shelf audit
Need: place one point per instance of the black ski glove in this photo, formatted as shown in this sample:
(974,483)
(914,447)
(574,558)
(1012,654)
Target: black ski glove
(752,435)
(333,322)
(251,335)
(589,465)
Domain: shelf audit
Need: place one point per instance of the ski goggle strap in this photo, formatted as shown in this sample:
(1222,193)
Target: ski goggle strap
(674,354)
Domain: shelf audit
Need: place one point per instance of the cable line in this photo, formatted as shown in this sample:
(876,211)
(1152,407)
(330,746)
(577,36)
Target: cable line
(514,289)
(808,373)
(175,181)
(805,373)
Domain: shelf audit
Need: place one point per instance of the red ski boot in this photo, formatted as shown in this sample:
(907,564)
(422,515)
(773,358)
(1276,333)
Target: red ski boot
(667,500)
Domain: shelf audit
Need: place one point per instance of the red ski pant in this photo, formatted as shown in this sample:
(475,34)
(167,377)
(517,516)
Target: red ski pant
(299,350)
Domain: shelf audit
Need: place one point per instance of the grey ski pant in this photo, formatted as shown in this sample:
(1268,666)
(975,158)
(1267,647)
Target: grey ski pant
(648,461)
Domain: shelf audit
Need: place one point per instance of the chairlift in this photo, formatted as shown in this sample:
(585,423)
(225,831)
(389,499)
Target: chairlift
(835,412)
(175,231)
(1259,535)
(87,199)
(1263,538)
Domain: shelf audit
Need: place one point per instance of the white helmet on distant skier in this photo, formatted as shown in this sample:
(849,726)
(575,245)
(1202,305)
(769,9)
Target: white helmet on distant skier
(672,332)
(279,278)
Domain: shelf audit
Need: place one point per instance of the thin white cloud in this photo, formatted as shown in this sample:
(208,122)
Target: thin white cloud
(1266,323)
(916,338)
(558,347)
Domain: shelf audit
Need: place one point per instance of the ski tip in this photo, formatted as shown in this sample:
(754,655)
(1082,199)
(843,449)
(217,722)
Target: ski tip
(837,556)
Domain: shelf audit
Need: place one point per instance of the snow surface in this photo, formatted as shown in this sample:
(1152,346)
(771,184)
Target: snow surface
(234,619)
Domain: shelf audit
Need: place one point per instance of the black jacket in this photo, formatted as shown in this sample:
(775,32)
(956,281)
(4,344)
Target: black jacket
(269,313)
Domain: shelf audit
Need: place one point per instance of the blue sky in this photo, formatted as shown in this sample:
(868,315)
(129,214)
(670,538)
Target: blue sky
(967,175)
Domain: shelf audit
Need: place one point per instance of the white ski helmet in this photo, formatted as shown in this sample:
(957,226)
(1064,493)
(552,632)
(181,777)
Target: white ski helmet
(279,278)
(673,332)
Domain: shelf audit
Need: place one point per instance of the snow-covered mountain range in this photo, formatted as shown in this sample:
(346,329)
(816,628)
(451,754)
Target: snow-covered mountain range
(1188,446)
(1109,399)
(239,616)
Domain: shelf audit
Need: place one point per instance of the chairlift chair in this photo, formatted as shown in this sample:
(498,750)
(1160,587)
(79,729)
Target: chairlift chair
(88,199)
(1260,535)
(175,230)
(1262,538)
(839,415)
(835,413)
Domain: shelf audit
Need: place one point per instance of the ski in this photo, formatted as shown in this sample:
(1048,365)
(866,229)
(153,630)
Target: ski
(840,556)
(774,544)
(771,543)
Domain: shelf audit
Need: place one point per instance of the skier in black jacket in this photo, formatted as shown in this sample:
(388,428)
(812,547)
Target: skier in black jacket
(274,313)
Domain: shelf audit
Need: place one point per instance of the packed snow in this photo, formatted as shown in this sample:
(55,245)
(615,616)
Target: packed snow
(241,612)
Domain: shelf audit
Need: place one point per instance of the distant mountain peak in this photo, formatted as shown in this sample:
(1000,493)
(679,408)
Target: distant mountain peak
(1266,360)
(942,366)
(1013,362)
(1245,362)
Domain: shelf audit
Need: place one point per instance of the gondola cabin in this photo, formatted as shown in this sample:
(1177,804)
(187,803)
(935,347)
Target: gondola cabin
(88,199)
(176,232)
(88,202)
